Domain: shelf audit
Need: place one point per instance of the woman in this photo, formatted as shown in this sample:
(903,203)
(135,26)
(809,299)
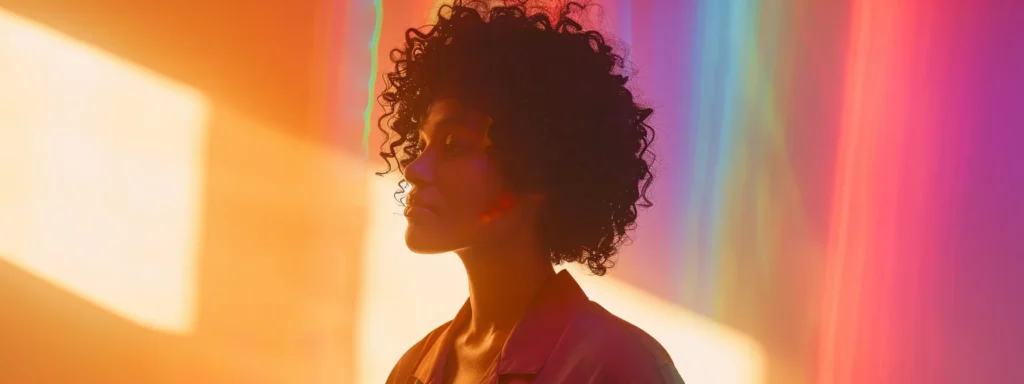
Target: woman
(523,148)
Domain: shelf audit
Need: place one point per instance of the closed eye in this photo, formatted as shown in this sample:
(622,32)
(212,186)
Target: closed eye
(452,146)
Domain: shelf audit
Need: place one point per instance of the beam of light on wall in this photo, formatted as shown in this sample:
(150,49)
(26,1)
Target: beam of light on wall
(100,169)
(702,350)
(406,295)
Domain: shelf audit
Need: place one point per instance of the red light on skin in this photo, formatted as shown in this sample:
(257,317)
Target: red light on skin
(490,215)
(503,205)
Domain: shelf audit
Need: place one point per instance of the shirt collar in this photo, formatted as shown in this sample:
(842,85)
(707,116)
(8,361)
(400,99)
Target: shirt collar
(531,340)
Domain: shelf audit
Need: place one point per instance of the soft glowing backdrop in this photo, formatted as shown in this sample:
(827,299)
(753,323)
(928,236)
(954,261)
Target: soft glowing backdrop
(186,192)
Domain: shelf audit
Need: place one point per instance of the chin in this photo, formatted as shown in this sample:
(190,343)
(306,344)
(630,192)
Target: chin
(424,243)
(425,248)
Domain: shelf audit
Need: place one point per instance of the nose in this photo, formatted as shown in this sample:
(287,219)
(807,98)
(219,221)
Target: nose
(420,172)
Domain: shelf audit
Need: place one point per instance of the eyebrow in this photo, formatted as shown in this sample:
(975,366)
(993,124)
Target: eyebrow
(446,121)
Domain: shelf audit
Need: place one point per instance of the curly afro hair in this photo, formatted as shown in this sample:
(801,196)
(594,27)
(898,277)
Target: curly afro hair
(565,123)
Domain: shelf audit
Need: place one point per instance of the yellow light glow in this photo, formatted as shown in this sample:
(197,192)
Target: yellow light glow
(101,163)
(702,350)
(406,295)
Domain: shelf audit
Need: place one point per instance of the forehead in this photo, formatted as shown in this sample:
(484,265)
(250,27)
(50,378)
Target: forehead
(444,107)
(448,112)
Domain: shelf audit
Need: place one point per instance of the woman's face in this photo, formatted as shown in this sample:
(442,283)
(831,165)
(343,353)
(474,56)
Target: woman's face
(457,198)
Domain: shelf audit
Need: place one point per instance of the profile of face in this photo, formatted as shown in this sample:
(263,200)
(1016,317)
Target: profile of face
(457,200)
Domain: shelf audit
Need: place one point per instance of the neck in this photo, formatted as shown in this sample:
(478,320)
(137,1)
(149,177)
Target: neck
(503,280)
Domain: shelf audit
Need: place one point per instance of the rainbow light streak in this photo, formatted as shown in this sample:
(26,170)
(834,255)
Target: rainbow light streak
(740,182)
(875,321)
(371,86)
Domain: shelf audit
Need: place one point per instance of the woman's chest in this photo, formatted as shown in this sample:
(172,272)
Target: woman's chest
(466,366)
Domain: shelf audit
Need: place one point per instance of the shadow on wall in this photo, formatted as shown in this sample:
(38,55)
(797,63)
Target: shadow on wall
(51,335)
(267,58)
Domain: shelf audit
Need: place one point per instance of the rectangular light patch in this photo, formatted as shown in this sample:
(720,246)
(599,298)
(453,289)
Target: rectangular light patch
(100,174)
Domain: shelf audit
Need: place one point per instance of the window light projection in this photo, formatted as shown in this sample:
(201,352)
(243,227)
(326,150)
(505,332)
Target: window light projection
(101,163)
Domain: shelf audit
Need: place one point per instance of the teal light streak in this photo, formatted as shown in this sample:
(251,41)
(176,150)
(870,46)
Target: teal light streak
(372,83)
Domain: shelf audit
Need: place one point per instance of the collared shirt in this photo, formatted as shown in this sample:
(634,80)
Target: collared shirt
(563,338)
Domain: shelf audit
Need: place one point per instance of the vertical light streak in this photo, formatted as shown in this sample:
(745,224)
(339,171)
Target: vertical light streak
(371,86)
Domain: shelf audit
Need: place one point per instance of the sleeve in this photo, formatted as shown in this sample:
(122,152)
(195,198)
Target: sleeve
(403,369)
(391,376)
(669,375)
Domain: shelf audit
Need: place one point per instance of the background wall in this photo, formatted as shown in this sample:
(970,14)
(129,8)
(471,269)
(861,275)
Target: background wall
(186,192)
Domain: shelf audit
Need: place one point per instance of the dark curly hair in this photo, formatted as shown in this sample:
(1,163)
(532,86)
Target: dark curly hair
(565,123)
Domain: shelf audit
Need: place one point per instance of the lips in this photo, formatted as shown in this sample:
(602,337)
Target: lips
(416,205)
(418,212)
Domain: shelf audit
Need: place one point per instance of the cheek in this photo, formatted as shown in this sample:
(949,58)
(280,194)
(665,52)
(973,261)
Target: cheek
(470,188)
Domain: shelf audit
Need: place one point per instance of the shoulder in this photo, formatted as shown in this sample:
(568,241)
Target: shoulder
(618,348)
(615,337)
(405,365)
